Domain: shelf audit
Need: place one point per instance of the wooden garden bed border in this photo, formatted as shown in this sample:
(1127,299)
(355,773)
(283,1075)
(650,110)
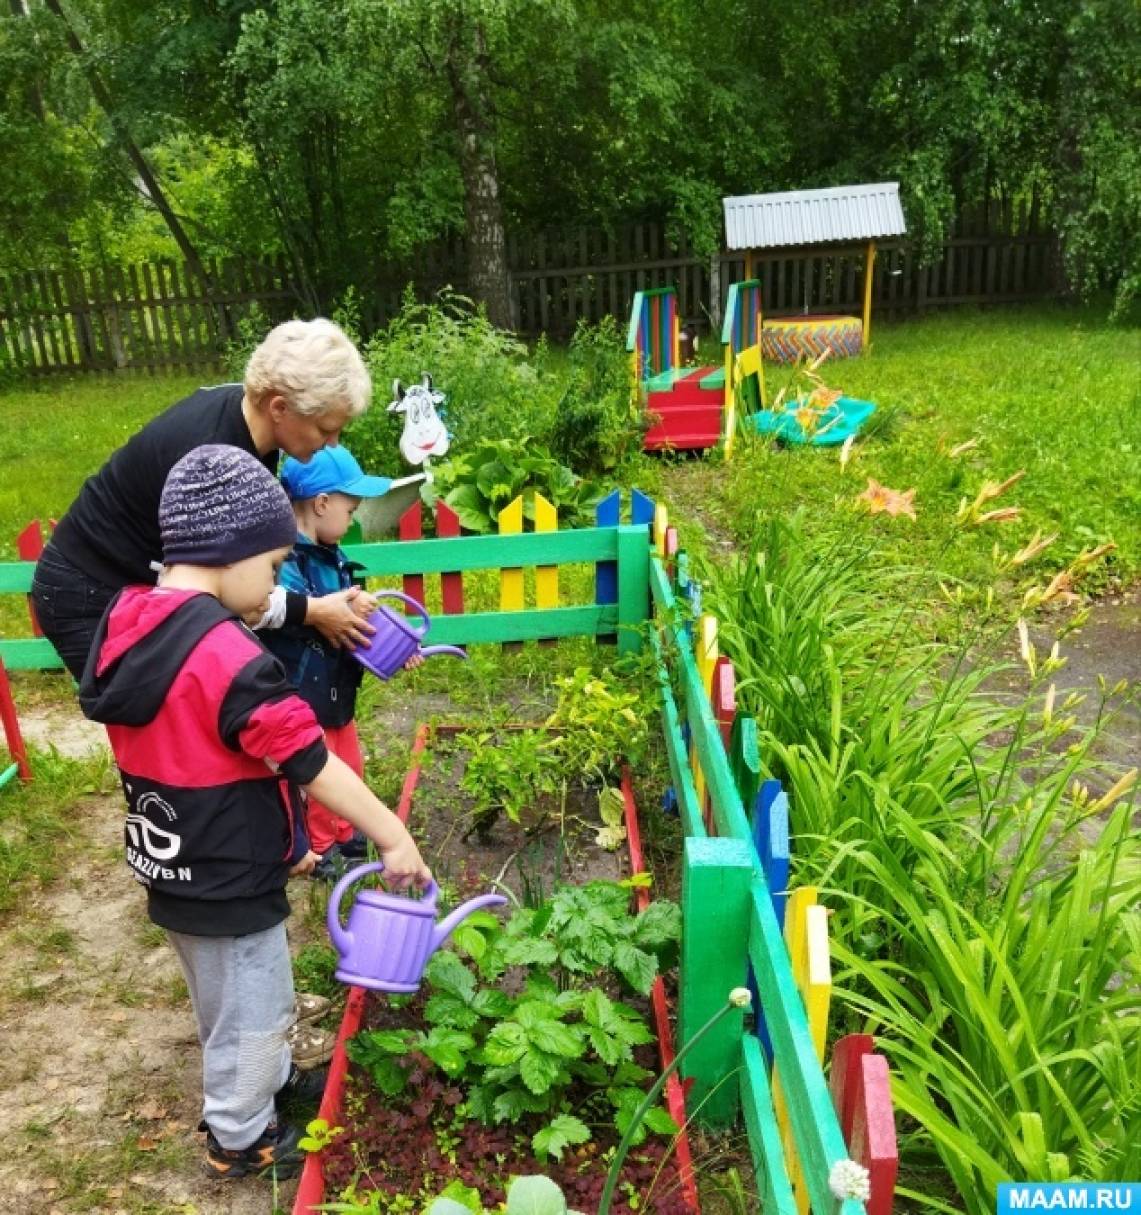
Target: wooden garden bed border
(311,1188)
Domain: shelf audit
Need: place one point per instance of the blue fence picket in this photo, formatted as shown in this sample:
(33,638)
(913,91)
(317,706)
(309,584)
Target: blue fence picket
(770,838)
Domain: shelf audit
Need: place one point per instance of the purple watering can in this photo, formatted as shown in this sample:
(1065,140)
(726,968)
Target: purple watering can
(395,640)
(389,938)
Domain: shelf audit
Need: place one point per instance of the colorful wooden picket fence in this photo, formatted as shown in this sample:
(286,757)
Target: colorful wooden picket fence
(740,915)
(741,920)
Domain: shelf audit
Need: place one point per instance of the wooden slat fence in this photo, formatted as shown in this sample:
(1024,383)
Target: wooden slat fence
(155,316)
(161,315)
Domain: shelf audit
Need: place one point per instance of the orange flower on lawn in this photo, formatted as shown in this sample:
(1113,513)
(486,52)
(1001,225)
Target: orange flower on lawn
(880,500)
(807,419)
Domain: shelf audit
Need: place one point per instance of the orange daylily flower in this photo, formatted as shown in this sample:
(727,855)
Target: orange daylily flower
(881,500)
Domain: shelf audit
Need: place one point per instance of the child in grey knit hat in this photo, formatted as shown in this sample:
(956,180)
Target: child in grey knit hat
(215,751)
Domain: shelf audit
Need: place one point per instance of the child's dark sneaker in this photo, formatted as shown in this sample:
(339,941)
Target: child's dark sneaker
(302,1087)
(275,1151)
(355,846)
(331,867)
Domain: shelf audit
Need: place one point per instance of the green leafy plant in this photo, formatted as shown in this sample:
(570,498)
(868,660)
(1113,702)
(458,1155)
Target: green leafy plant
(582,929)
(481,478)
(595,428)
(603,723)
(519,1054)
(508,772)
(525,1196)
(318,1135)
(980,933)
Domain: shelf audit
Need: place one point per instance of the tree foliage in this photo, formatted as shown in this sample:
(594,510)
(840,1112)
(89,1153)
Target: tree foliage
(346,135)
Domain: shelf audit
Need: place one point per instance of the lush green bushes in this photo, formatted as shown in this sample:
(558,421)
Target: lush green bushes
(520,420)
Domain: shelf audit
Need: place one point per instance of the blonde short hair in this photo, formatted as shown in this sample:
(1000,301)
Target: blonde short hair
(313,365)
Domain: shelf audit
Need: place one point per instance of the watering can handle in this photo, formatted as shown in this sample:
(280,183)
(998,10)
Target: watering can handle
(455,651)
(418,607)
(338,934)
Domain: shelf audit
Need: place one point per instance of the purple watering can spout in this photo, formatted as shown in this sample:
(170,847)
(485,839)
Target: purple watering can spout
(390,937)
(395,639)
(449,924)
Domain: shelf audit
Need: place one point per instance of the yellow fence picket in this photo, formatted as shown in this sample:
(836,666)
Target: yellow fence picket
(795,932)
(511,580)
(546,576)
(706,664)
(661,526)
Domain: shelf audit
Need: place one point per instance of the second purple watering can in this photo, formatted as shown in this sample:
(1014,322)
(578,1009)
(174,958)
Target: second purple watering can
(395,640)
(389,937)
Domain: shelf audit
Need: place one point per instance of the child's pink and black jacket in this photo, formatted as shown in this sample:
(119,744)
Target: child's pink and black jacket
(212,745)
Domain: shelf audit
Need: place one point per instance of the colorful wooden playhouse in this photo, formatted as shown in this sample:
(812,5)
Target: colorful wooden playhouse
(814,222)
(693,407)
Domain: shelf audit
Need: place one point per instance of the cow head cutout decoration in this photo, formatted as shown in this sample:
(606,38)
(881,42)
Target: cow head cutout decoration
(425,435)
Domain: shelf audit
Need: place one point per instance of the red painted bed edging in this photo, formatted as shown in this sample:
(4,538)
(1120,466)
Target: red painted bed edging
(311,1188)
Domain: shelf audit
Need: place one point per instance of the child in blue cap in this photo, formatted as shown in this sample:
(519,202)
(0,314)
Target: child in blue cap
(325,494)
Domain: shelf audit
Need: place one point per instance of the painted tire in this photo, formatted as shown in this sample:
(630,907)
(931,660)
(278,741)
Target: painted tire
(786,339)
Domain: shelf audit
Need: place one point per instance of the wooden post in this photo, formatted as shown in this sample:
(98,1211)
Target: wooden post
(511,578)
(869,267)
(633,579)
(715,291)
(29,545)
(451,583)
(410,527)
(748,263)
(715,897)
(546,576)
(607,514)
(13,739)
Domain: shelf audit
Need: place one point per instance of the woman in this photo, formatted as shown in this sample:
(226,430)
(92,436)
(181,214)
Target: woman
(302,385)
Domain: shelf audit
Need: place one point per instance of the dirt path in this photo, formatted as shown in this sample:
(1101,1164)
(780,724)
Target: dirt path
(99,1054)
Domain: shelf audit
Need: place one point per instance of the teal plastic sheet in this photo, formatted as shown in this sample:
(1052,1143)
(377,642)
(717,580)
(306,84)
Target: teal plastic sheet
(838,422)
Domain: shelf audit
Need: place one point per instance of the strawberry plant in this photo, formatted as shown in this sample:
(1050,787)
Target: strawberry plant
(583,930)
(519,1057)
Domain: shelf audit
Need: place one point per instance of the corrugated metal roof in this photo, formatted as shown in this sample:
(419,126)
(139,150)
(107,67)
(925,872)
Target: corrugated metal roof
(811,217)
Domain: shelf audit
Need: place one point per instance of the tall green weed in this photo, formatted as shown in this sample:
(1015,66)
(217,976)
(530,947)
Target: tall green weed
(985,920)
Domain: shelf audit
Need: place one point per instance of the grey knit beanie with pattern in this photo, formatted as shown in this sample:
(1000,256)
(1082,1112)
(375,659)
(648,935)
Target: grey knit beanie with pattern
(220,505)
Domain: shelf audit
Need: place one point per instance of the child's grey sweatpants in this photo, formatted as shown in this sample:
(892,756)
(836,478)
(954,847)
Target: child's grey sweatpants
(242,991)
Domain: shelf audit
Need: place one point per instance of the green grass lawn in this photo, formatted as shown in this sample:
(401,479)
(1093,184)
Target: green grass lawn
(57,432)
(1054,391)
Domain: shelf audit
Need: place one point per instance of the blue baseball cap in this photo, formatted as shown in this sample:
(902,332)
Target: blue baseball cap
(332,470)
